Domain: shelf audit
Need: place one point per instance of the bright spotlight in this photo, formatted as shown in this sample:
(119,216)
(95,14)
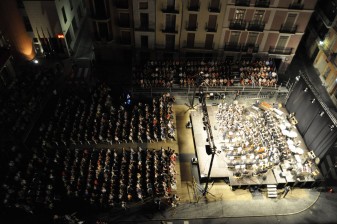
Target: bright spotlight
(36,61)
(321,43)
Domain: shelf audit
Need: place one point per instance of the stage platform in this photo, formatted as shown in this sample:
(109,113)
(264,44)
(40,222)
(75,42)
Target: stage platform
(252,168)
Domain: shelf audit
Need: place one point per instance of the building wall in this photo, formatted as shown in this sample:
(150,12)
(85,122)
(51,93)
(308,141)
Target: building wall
(151,11)
(47,21)
(161,23)
(11,23)
(71,14)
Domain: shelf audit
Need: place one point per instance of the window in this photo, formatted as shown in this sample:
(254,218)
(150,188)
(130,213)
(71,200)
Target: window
(64,15)
(326,73)
(252,37)
(125,37)
(144,20)
(79,12)
(290,19)
(239,14)
(68,38)
(144,41)
(83,4)
(20,4)
(282,42)
(143,5)
(27,24)
(190,39)
(258,16)
(74,24)
(71,4)
(234,38)
(170,3)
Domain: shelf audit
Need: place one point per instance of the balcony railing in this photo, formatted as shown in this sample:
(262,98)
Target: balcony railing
(262,3)
(237,24)
(242,2)
(250,48)
(124,24)
(124,41)
(211,29)
(103,38)
(191,27)
(100,17)
(296,6)
(170,9)
(169,29)
(198,46)
(216,9)
(144,28)
(255,26)
(194,7)
(279,50)
(232,47)
(288,29)
(121,4)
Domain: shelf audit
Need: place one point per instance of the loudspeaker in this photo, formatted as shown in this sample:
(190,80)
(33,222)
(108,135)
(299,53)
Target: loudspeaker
(208,149)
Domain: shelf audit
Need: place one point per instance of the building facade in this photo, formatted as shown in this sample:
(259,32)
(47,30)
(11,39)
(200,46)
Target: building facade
(321,45)
(220,28)
(54,25)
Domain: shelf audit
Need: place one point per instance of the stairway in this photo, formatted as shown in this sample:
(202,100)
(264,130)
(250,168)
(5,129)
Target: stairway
(272,191)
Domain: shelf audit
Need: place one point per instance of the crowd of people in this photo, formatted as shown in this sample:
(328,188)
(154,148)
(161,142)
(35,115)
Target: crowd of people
(252,136)
(103,177)
(23,98)
(216,73)
(100,119)
(116,177)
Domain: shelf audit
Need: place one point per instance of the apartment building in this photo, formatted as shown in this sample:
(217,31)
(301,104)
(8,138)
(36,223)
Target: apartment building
(220,28)
(54,25)
(322,37)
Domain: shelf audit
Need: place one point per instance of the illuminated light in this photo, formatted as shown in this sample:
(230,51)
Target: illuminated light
(60,36)
(36,61)
(321,43)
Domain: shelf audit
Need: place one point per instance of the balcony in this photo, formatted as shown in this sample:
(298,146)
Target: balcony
(279,50)
(298,6)
(255,26)
(125,41)
(210,28)
(262,3)
(288,29)
(230,46)
(121,4)
(123,24)
(215,9)
(242,2)
(198,46)
(193,7)
(191,27)
(144,28)
(170,9)
(250,48)
(170,29)
(103,38)
(100,18)
(237,25)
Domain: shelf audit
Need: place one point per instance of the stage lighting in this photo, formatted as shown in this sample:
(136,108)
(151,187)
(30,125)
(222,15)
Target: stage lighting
(36,61)
(321,114)
(313,100)
(306,89)
(298,78)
